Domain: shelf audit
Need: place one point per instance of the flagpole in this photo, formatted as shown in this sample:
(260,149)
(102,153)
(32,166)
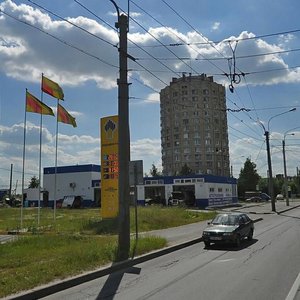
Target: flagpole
(40,162)
(55,176)
(23,169)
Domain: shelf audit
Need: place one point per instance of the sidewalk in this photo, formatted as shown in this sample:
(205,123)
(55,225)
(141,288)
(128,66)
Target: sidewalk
(265,207)
(178,238)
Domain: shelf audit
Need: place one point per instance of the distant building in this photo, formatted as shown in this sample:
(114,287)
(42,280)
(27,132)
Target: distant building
(83,181)
(194,126)
(78,181)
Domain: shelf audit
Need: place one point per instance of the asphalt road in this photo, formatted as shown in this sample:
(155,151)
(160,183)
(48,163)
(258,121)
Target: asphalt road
(265,268)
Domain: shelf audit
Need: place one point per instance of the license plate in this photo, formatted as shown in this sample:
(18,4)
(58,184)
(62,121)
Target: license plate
(216,238)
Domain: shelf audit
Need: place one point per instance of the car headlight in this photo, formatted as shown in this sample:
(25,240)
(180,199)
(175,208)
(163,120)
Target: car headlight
(205,233)
(228,233)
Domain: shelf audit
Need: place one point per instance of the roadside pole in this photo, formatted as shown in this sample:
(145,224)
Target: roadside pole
(124,145)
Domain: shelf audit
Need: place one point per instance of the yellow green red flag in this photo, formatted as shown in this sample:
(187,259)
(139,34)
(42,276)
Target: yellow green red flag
(52,88)
(64,117)
(36,106)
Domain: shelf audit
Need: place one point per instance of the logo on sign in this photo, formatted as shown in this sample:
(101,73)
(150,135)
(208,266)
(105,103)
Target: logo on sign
(110,128)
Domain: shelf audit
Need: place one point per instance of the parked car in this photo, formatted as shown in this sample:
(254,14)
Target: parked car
(265,196)
(279,197)
(228,228)
(254,199)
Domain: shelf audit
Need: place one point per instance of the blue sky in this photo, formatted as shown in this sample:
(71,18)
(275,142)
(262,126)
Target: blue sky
(86,67)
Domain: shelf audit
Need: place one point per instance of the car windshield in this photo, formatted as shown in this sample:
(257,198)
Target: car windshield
(225,220)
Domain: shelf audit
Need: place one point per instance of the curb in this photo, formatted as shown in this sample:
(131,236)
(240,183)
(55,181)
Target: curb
(285,210)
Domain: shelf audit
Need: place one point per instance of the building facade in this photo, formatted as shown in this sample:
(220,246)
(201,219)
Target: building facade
(207,190)
(194,130)
(78,181)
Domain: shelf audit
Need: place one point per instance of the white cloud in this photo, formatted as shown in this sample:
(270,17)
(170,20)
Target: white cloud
(26,52)
(215,26)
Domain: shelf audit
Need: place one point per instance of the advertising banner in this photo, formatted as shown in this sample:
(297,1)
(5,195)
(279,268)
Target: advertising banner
(109,167)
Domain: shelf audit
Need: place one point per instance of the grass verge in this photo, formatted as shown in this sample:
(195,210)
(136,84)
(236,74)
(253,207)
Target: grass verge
(78,241)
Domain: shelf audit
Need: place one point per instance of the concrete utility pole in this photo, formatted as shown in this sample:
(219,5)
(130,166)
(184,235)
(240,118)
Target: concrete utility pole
(124,141)
(270,175)
(285,175)
(271,190)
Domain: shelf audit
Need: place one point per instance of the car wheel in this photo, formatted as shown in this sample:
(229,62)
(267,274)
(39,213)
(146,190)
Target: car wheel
(238,241)
(207,244)
(250,235)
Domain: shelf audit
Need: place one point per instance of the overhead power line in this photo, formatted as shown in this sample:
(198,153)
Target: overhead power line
(59,39)
(229,40)
(73,24)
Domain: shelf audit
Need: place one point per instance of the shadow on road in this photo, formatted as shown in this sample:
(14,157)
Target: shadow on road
(113,281)
(231,247)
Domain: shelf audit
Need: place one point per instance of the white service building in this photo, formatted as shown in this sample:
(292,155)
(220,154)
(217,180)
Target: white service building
(78,181)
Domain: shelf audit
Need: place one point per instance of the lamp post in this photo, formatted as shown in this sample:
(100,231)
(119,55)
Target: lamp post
(284,165)
(270,175)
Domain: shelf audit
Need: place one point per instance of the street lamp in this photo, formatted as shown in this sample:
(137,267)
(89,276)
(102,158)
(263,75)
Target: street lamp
(267,135)
(284,164)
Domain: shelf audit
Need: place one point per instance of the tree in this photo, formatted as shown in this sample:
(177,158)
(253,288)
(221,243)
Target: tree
(154,171)
(34,183)
(248,178)
(185,170)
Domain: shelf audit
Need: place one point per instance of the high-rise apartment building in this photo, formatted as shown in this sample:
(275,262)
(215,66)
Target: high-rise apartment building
(194,126)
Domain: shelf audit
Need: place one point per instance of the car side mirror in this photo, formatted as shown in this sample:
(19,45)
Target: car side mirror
(208,223)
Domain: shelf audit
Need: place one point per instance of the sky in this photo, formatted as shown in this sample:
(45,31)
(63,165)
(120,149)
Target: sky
(252,46)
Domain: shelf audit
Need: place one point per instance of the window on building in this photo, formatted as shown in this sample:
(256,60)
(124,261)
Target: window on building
(208,157)
(208,149)
(197,141)
(211,190)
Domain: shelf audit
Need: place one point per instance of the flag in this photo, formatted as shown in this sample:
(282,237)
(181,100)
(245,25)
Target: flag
(36,106)
(64,117)
(52,88)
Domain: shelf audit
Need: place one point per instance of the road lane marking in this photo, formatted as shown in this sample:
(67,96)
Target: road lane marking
(293,291)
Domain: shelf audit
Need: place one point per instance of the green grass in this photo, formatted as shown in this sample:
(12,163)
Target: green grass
(79,240)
